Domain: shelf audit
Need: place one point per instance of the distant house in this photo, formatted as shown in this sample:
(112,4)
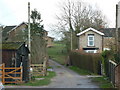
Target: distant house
(18,33)
(5,31)
(109,38)
(49,41)
(15,54)
(91,40)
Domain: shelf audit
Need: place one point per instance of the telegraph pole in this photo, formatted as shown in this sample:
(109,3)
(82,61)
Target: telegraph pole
(29,40)
(116,33)
(71,39)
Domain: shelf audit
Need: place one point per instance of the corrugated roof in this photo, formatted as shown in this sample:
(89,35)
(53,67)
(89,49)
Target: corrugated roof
(11,45)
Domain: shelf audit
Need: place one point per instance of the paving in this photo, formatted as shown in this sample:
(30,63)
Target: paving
(65,78)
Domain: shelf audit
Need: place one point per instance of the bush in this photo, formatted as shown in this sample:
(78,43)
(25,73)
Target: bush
(108,55)
(87,61)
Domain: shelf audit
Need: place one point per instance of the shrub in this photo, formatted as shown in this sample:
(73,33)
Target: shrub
(107,55)
(87,61)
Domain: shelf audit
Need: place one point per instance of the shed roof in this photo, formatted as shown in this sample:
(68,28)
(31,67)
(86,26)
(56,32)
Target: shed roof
(11,45)
(92,29)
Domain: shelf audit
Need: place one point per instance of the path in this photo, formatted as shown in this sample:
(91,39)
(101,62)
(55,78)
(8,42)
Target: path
(67,78)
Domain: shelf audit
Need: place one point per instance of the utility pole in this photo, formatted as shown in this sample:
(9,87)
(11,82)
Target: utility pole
(1,28)
(116,33)
(71,40)
(29,40)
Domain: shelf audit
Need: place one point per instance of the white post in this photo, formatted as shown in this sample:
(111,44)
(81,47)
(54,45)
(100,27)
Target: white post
(29,40)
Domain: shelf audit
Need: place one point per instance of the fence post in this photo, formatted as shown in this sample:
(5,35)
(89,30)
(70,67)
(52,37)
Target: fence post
(111,75)
(44,68)
(21,73)
(3,73)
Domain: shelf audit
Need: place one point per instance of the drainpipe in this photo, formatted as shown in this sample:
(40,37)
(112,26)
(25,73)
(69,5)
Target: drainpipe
(102,42)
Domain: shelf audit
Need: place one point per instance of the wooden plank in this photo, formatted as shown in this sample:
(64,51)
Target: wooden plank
(12,68)
(13,77)
(12,71)
(34,65)
(113,62)
(13,82)
(6,73)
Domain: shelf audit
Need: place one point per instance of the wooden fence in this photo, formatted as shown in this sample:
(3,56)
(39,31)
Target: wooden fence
(39,69)
(117,76)
(10,74)
(111,75)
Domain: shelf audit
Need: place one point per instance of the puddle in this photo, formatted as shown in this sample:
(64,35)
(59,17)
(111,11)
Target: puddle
(50,69)
(79,84)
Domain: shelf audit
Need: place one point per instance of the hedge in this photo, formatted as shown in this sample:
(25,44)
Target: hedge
(86,61)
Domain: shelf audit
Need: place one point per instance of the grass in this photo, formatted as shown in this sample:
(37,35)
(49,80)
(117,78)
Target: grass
(103,82)
(45,81)
(80,71)
(34,82)
(58,53)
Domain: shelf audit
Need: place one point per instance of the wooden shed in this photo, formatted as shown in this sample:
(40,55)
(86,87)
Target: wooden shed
(15,54)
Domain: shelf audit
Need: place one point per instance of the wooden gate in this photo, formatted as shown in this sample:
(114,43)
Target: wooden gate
(39,69)
(10,74)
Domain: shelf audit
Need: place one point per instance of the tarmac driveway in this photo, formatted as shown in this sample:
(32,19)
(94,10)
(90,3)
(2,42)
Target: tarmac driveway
(67,78)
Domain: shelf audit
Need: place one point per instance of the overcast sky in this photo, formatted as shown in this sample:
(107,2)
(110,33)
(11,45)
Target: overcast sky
(13,12)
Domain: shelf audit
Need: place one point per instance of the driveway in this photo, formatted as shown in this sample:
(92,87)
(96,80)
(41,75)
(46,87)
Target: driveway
(67,78)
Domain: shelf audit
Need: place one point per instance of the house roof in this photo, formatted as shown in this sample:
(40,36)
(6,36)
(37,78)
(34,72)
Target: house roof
(90,29)
(20,25)
(7,29)
(11,45)
(109,32)
(17,26)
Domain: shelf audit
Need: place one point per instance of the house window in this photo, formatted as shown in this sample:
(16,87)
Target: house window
(91,51)
(91,40)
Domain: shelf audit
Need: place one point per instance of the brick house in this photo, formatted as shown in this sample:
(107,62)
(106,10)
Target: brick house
(109,38)
(91,40)
(19,33)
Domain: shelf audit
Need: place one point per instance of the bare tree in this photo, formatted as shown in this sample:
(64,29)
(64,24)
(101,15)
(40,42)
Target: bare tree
(76,17)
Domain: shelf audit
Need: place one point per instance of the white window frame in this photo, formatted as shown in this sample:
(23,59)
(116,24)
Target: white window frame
(90,40)
(91,51)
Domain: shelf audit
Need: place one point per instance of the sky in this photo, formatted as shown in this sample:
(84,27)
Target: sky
(13,12)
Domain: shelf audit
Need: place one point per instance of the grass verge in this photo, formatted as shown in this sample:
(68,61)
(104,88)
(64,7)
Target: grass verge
(80,71)
(57,53)
(103,82)
(45,81)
